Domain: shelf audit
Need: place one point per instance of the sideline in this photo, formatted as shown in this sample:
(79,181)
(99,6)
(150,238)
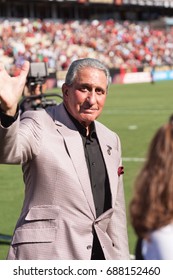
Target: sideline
(133,159)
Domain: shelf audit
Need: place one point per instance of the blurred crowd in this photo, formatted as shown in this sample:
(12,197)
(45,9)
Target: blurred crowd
(118,45)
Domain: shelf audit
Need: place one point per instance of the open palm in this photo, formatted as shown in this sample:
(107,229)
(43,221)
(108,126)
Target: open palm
(11,88)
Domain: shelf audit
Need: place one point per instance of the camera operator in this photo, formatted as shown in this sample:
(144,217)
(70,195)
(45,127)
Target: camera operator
(29,103)
(34,96)
(35,87)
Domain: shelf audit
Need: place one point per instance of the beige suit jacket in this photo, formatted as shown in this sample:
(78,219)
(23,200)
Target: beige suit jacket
(58,214)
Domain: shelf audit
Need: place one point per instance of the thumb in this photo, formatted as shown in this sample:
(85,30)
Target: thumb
(24,69)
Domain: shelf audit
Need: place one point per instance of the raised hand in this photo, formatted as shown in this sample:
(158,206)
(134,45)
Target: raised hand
(11,88)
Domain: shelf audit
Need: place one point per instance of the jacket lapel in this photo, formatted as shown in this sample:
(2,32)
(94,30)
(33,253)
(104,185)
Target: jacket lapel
(111,158)
(74,145)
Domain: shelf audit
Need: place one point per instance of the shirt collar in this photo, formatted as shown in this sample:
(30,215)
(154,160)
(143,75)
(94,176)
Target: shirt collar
(82,130)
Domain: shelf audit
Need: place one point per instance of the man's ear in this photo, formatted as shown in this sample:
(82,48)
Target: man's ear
(65,89)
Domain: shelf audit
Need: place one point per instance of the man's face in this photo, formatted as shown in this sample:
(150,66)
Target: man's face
(85,98)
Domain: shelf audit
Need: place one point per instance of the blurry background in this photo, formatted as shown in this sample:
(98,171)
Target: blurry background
(133,38)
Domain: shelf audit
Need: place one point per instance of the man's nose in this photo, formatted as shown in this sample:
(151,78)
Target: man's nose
(92,97)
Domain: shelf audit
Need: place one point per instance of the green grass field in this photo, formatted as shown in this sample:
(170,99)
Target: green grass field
(134,112)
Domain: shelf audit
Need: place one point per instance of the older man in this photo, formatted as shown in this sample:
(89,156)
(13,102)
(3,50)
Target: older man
(74,200)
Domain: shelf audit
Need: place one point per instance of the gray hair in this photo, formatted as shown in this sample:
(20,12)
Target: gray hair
(84,63)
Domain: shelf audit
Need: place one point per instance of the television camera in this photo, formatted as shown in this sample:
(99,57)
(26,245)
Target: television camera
(37,75)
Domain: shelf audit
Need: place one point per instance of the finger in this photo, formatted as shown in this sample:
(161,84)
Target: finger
(25,68)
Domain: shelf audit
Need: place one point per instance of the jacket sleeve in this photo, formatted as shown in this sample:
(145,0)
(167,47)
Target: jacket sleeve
(117,228)
(19,142)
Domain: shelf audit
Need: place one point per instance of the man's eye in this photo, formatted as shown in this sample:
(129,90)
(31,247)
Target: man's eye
(99,91)
(84,89)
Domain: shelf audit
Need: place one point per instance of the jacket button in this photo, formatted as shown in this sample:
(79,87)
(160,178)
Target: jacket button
(89,247)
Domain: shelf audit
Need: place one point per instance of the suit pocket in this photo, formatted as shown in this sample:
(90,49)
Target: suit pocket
(39,225)
(45,235)
(43,212)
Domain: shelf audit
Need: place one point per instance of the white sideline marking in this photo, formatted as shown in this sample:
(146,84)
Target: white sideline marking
(133,159)
(134,112)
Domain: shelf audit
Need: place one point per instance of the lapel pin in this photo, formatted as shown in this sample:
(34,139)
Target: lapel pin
(109,149)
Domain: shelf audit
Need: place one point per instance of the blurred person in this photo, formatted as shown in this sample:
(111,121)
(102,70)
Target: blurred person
(74,204)
(151,207)
(35,87)
(152,74)
(28,103)
(35,98)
